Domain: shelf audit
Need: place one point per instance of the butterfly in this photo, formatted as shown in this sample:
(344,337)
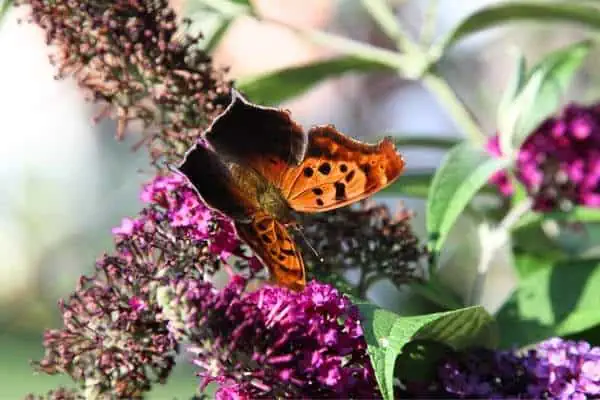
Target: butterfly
(260,167)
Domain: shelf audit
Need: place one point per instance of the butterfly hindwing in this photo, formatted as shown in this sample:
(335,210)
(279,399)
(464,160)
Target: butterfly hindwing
(338,171)
(273,244)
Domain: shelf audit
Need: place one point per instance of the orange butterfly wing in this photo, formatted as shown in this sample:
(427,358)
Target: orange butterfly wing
(272,243)
(338,171)
(315,172)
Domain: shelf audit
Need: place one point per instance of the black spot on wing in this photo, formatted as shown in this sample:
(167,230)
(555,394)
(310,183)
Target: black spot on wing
(285,268)
(265,238)
(340,191)
(289,252)
(325,168)
(350,176)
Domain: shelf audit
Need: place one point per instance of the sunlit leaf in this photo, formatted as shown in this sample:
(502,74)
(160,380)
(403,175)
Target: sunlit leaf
(464,170)
(387,333)
(554,299)
(505,12)
(541,94)
(284,84)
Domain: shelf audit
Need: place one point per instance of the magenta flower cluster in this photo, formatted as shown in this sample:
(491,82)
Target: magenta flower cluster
(274,343)
(178,204)
(559,163)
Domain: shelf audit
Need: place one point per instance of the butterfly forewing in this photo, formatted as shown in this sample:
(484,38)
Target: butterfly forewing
(338,171)
(265,139)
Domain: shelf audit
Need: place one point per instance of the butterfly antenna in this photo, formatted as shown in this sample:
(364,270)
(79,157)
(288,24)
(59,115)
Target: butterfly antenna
(315,252)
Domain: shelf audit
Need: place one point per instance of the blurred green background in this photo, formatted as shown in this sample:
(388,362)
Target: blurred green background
(66,182)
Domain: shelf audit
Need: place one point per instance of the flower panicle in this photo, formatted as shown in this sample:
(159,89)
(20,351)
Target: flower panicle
(559,163)
(60,393)
(135,60)
(554,369)
(273,342)
(114,336)
(370,237)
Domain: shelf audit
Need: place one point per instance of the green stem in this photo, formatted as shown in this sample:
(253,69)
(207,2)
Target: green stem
(492,241)
(347,46)
(404,64)
(384,17)
(425,141)
(430,20)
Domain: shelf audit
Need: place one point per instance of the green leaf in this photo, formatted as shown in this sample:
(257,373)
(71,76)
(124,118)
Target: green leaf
(464,170)
(433,142)
(410,184)
(387,333)
(527,263)
(228,9)
(277,86)
(505,108)
(436,292)
(460,329)
(500,14)
(4,7)
(581,214)
(384,16)
(213,41)
(419,361)
(377,325)
(558,300)
(213,20)
(577,214)
(542,93)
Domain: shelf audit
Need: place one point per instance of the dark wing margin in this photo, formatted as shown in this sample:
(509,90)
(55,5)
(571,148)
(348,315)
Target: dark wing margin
(246,133)
(213,182)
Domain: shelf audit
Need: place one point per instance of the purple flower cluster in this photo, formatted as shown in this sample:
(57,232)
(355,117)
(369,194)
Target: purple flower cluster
(559,163)
(111,341)
(134,59)
(567,369)
(176,203)
(112,338)
(556,368)
(273,342)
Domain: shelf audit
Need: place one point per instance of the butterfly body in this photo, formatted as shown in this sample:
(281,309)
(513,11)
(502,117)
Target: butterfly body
(262,167)
(266,196)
